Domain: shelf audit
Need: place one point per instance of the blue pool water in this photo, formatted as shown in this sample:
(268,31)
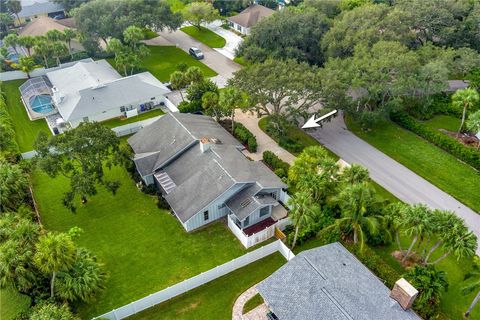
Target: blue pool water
(41,103)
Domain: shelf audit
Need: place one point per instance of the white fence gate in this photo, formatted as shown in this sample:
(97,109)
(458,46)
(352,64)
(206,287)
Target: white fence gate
(198,280)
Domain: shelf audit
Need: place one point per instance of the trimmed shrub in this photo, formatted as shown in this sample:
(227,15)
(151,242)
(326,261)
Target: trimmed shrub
(245,137)
(277,165)
(447,143)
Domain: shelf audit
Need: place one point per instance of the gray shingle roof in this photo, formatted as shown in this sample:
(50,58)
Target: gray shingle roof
(90,88)
(172,144)
(40,7)
(251,15)
(247,201)
(328,282)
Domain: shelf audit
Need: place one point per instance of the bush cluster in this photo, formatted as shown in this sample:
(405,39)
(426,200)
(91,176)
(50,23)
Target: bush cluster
(245,137)
(8,144)
(277,165)
(449,144)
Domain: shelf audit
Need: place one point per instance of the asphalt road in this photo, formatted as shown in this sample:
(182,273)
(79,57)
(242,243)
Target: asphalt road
(400,181)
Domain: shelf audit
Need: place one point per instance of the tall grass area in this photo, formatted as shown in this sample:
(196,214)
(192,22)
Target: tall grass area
(144,249)
(432,163)
(26,131)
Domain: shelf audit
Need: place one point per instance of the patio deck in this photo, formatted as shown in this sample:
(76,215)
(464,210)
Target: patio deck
(259,226)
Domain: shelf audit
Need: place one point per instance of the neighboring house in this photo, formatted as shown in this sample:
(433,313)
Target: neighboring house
(40,26)
(90,91)
(329,282)
(246,19)
(202,173)
(39,8)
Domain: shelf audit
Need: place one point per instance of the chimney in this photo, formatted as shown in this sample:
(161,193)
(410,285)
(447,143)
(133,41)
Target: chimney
(204,144)
(404,293)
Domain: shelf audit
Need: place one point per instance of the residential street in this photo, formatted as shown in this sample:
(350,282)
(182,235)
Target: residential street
(393,176)
(215,60)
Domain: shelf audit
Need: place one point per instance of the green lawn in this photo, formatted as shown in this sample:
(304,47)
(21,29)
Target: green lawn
(443,122)
(215,299)
(26,130)
(12,303)
(251,304)
(163,61)
(435,165)
(205,36)
(149,34)
(145,249)
(115,122)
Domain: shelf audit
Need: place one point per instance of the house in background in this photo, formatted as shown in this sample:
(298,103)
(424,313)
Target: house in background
(90,91)
(34,9)
(40,27)
(246,19)
(329,282)
(204,176)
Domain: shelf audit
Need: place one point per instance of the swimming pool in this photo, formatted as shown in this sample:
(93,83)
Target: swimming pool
(41,103)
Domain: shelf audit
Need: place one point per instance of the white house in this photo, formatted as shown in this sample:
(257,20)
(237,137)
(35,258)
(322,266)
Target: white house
(90,91)
(246,19)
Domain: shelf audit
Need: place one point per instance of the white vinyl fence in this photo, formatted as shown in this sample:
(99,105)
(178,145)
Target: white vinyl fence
(196,281)
(15,75)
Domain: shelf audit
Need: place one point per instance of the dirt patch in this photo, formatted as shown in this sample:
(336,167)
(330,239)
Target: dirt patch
(468,139)
(411,261)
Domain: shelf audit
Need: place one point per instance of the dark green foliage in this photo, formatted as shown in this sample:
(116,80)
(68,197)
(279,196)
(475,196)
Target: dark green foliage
(288,34)
(309,231)
(447,143)
(189,107)
(162,203)
(245,137)
(440,104)
(278,166)
(8,145)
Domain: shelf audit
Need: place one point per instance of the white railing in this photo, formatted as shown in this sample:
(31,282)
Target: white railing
(196,281)
(256,238)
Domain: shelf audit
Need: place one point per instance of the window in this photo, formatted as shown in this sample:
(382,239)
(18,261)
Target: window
(205,215)
(152,98)
(239,28)
(221,206)
(122,109)
(85,119)
(264,211)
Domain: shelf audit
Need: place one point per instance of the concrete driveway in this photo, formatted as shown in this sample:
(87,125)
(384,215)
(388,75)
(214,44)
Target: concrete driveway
(213,59)
(393,176)
(232,40)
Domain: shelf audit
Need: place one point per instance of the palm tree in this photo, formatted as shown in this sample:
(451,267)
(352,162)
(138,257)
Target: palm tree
(84,280)
(25,64)
(133,35)
(14,6)
(429,282)
(27,42)
(11,40)
(415,224)
(356,202)
(194,75)
(393,220)
(44,49)
(13,186)
(59,49)
(55,252)
(55,35)
(465,99)
(231,99)
(473,279)
(302,211)
(460,241)
(178,81)
(15,268)
(355,174)
(473,124)
(68,36)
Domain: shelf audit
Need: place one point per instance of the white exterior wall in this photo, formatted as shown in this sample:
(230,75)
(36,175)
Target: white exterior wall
(255,217)
(214,212)
(239,28)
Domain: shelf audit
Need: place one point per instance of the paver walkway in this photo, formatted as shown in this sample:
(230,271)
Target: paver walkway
(393,176)
(255,314)
(263,140)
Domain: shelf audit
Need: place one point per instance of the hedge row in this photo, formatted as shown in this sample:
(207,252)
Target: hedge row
(8,144)
(447,143)
(245,137)
(277,165)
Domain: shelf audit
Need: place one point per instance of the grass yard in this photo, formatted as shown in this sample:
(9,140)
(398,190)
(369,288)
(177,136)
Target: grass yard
(26,131)
(163,61)
(443,122)
(115,122)
(254,302)
(149,34)
(215,299)
(205,36)
(12,303)
(435,165)
(145,249)
(453,303)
